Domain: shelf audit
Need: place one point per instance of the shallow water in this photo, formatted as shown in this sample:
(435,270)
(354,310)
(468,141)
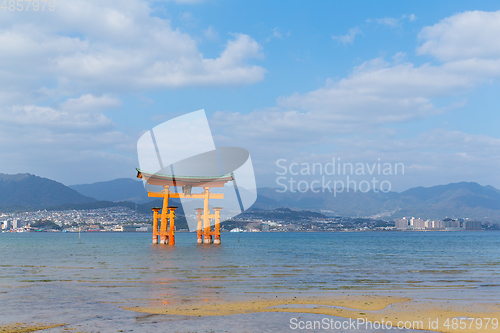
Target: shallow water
(51,275)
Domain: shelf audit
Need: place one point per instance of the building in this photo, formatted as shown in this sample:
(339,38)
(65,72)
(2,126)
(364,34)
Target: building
(418,224)
(435,225)
(402,224)
(450,224)
(473,225)
(17,224)
(137,228)
(6,225)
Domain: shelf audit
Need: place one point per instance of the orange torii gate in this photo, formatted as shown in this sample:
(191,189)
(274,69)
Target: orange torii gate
(204,230)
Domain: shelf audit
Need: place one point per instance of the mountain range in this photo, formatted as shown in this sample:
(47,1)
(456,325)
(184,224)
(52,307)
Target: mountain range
(121,189)
(456,200)
(22,191)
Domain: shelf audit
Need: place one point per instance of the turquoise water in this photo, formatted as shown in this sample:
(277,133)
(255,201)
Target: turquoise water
(52,274)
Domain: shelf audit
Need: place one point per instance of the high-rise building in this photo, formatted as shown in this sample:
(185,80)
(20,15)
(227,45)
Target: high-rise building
(437,225)
(402,224)
(473,225)
(17,224)
(6,225)
(418,224)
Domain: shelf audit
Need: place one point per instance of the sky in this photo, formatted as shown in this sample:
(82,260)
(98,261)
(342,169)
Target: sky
(408,82)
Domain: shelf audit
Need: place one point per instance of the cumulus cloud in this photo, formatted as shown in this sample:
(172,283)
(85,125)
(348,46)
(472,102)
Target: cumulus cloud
(62,72)
(73,114)
(57,143)
(89,102)
(468,35)
(378,92)
(117,46)
(353,115)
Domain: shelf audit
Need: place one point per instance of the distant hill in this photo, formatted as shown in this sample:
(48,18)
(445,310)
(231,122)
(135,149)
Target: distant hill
(453,200)
(144,208)
(121,189)
(25,190)
(283,214)
(464,199)
(457,200)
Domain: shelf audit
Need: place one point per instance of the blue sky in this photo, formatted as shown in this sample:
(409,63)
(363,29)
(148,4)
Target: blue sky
(401,81)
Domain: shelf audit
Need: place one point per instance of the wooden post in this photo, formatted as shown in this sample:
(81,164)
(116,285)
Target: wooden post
(164,211)
(155,224)
(217,225)
(171,232)
(206,218)
(199,228)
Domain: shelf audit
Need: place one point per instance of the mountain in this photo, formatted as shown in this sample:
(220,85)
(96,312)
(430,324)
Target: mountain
(464,199)
(344,204)
(29,192)
(121,189)
(456,200)
(144,208)
(24,191)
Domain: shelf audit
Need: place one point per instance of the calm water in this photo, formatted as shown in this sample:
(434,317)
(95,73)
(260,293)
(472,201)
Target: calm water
(37,269)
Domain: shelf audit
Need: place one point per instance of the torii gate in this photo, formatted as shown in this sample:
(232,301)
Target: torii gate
(204,230)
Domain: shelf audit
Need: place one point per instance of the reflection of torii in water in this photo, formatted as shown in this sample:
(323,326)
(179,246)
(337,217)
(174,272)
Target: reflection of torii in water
(168,212)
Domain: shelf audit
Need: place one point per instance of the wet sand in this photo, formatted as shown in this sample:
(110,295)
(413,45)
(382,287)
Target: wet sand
(27,327)
(410,310)
(256,312)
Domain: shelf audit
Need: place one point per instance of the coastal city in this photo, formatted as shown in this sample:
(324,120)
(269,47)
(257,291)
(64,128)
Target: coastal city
(123,219)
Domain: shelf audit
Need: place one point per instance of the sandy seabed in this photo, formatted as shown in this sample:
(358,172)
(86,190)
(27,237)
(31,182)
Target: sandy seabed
(348,311)
(371,309)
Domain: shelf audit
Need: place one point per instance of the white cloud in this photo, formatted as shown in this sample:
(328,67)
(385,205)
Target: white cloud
(376,93)
(73,114)
(90,103)
(399,57)
(389,21)
(352,116)
(392,21)
(48,117)
(434,157)
(349,37)
(114,46)
(210,33)
(468,35)
(62,71)
(277,33)
(64,146)
(186,16)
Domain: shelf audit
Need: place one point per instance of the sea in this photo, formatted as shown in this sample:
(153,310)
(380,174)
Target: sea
(86,280)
